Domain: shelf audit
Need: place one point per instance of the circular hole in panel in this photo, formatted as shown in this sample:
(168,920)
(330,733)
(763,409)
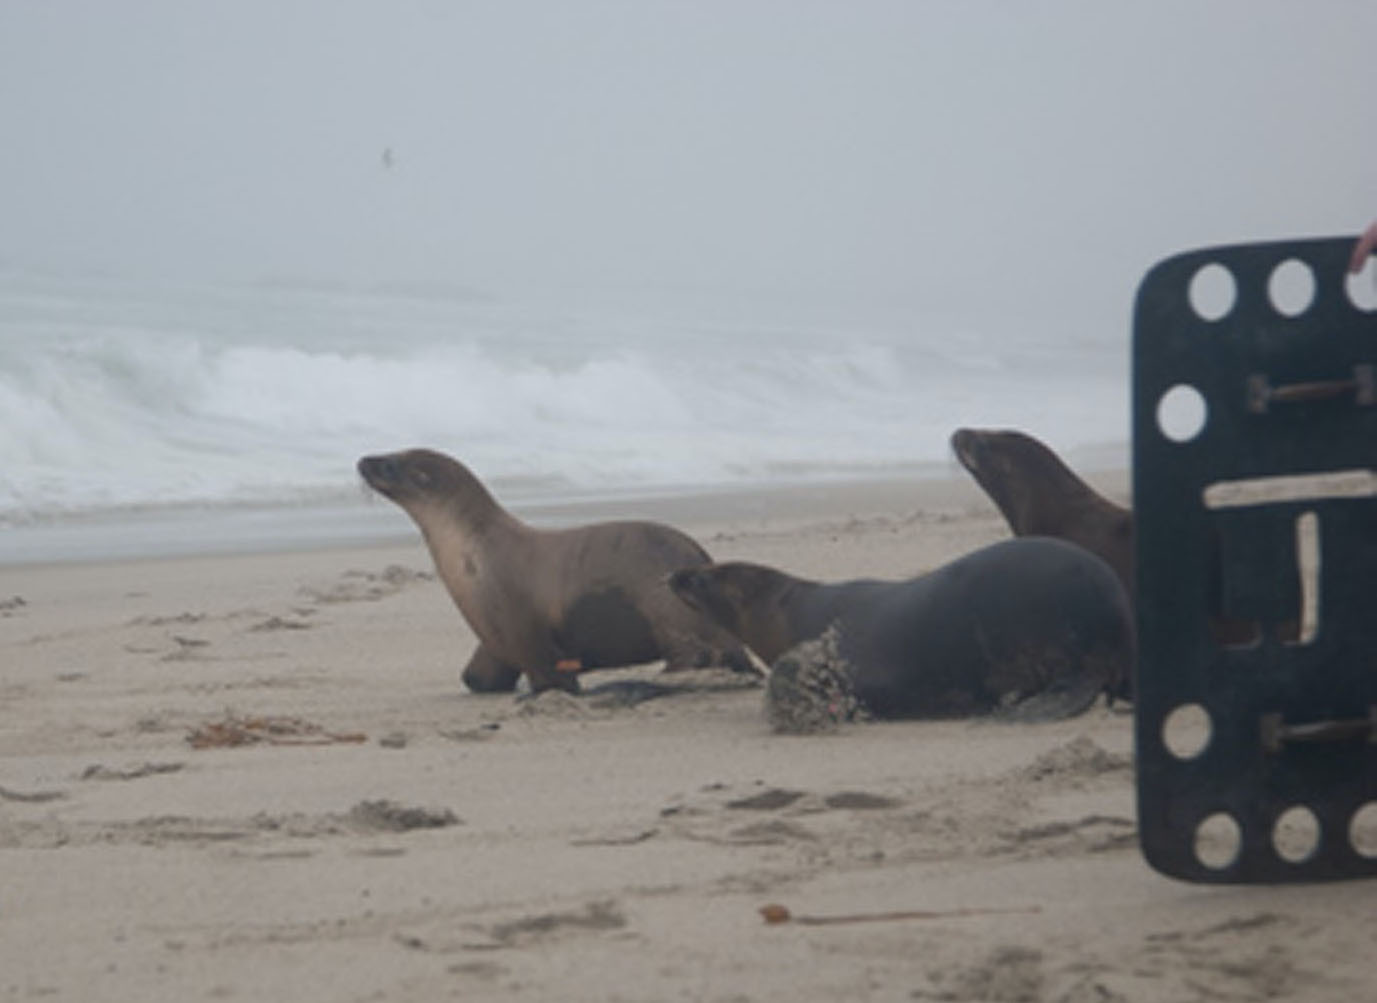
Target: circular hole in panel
(1362,830)
(1186,731)
(1181,413)
(1217,841)
(1292,287)
(1212,292)
(1296,834)
(1362,287)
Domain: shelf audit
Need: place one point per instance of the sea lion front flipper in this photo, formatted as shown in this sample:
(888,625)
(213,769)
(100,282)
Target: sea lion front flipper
(487,674)
(733,657)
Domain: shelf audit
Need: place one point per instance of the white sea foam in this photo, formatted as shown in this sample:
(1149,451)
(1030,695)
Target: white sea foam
(113,397)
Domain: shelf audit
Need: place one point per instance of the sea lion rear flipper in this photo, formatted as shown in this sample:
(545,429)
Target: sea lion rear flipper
(1065,697)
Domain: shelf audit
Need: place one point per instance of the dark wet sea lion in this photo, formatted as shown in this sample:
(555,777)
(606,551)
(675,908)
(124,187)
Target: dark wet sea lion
(1033,627)
(1039,495)
(551,603)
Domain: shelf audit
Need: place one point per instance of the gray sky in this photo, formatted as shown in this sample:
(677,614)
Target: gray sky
(1025,159)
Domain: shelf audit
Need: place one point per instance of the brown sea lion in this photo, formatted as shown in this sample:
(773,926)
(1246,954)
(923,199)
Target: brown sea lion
(551,603)
(1040,496)
(1034,628)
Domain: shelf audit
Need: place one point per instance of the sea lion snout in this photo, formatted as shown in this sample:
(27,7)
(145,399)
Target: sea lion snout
(966,444)
(406,474)
(688,584)
(381,472)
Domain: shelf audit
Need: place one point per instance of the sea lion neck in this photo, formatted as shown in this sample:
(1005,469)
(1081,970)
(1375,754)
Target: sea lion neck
(765,599)
(470,538)
(472,506)
(1030,507)
(464,517)
(1024,476)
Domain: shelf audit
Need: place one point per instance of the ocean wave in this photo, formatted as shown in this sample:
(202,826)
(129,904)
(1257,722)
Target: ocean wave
(138,411)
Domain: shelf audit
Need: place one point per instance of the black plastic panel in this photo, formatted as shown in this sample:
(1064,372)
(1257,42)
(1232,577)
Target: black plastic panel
(1289,694)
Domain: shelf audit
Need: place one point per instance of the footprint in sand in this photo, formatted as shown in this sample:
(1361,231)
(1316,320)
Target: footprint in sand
(594,917)
(367,818)
(99,771)
(166,621)
(771,800)
(276,623)
(368,586)
(189,649)
(702,822)
(776,798)
(1007,973)
(860,801)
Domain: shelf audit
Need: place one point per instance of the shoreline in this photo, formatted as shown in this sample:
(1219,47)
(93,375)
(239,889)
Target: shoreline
(371,521)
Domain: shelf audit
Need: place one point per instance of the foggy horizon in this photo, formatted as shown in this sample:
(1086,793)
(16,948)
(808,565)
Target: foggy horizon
(994,162)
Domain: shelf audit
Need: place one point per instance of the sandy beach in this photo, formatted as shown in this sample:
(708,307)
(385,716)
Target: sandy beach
(383,835)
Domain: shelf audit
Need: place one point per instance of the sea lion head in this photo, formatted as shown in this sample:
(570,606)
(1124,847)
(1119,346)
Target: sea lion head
(702,589)
(423,481)
(749,600)
(996,455)
(1031,486)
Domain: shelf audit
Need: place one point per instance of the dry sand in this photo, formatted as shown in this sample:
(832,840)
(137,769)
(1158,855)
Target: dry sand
(399,839)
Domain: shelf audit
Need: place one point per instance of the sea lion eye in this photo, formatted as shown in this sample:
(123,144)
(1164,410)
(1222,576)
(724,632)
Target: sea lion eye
(421,477)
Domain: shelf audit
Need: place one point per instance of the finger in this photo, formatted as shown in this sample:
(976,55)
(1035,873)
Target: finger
(1363,248)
